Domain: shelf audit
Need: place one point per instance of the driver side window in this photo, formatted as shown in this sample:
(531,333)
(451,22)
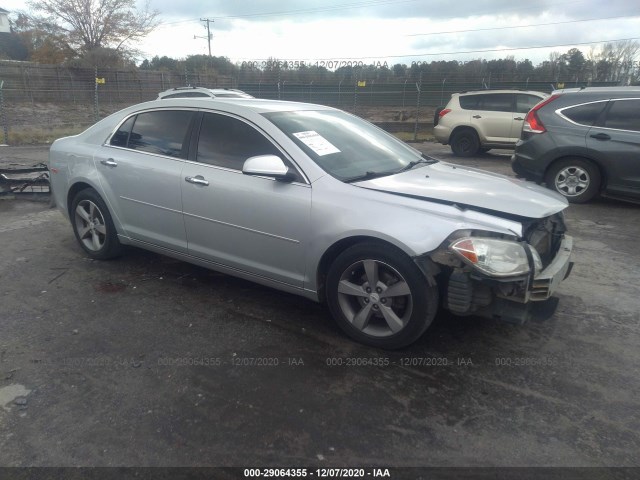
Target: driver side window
(228,142)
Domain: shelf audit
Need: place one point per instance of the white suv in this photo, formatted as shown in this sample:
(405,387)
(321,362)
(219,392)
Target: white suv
(475,122)
(190,92)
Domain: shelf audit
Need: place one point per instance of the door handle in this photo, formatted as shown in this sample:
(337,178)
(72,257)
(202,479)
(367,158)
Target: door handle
(197,180)
(110,162)
(519,118)
(477,116)
(601,136)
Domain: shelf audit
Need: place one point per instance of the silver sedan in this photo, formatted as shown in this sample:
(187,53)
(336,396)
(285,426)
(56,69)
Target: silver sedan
(317,202)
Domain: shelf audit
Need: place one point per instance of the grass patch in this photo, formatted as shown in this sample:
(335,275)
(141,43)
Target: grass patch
(409,137)
(41,136)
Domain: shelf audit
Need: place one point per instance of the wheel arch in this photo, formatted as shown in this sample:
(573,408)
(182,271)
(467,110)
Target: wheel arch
(74,190)
(340,246)
(583,157)
(461,128)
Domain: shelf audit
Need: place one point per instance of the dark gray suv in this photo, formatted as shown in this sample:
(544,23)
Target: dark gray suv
(583,142)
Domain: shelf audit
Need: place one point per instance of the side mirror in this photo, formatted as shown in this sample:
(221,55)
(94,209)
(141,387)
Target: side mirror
(268,166)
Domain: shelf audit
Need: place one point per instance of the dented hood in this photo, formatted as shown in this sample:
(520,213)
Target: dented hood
(471,187)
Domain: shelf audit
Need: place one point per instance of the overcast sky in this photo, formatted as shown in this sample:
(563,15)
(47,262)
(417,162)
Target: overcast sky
(395,31)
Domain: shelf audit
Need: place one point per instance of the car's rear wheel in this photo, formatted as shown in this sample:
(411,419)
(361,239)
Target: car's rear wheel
(575,178)
(93,226)
(465,143)
(379,297)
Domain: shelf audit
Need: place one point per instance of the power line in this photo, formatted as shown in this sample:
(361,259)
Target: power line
(459,52)
(519,26)
(348,6)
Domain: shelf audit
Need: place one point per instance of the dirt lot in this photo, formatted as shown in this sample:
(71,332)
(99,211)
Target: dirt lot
(147,361)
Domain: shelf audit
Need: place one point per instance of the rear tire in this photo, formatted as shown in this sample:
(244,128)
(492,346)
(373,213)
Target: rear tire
(93,226)
(378,296)
(577,179)
(465,143)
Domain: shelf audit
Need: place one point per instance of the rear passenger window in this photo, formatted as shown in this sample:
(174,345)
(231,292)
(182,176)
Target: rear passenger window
(162,132)
(496,102)
(121,137)
(585,114)
(624,115)
(524,102)
(468,102)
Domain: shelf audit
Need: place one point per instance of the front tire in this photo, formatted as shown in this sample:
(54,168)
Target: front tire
(575,178)
(378,296)
(93,226)
(465,143)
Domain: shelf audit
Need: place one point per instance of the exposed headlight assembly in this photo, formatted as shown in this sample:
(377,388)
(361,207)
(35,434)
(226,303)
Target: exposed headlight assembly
(496,257)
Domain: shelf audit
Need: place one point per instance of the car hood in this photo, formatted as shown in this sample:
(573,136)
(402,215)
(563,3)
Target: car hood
(471,188)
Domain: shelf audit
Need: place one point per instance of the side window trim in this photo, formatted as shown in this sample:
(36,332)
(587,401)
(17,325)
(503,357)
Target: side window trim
(598,120)
(193,153)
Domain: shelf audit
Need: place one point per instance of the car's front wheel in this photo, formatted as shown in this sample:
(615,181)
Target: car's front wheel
(93,226)
(465,143)
(575,178)
(379,296)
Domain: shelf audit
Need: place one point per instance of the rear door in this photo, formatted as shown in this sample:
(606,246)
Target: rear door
(617,138)
(139,170)
(493,118)
(523,103)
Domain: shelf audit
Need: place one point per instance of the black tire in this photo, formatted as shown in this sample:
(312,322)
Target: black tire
(382,317)
(576,178)
(93,226)
(465,143)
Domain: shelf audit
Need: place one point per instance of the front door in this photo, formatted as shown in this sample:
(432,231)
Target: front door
(253,224)
(617,139)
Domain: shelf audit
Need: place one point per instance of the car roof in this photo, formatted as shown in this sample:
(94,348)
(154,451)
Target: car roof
(633,90)
(257,105)
(505,90)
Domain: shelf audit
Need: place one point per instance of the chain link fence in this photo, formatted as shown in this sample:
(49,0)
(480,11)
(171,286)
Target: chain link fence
(42,102)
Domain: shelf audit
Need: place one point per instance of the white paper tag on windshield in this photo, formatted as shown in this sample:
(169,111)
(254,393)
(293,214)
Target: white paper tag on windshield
(316,142)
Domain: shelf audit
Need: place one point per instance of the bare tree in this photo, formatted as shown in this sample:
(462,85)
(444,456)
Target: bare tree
(620,59)
(90,25)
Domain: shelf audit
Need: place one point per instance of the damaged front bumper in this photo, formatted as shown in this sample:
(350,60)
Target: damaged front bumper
(465,291)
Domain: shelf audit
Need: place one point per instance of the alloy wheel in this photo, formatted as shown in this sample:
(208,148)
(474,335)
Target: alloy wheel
(375,298)
(90,225)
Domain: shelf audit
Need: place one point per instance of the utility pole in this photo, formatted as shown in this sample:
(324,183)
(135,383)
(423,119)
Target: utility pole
(208,37)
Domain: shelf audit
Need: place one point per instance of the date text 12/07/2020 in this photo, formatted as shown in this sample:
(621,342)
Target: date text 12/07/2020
(295,64)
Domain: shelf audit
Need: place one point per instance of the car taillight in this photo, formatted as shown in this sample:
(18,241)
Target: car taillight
(444,112)
(532,123)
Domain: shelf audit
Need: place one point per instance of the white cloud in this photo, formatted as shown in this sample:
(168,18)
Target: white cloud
(381,29)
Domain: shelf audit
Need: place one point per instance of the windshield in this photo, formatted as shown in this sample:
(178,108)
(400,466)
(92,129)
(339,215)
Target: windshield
(343,145)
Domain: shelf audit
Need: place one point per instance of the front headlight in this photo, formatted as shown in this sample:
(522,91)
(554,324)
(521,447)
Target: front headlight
(499,258)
